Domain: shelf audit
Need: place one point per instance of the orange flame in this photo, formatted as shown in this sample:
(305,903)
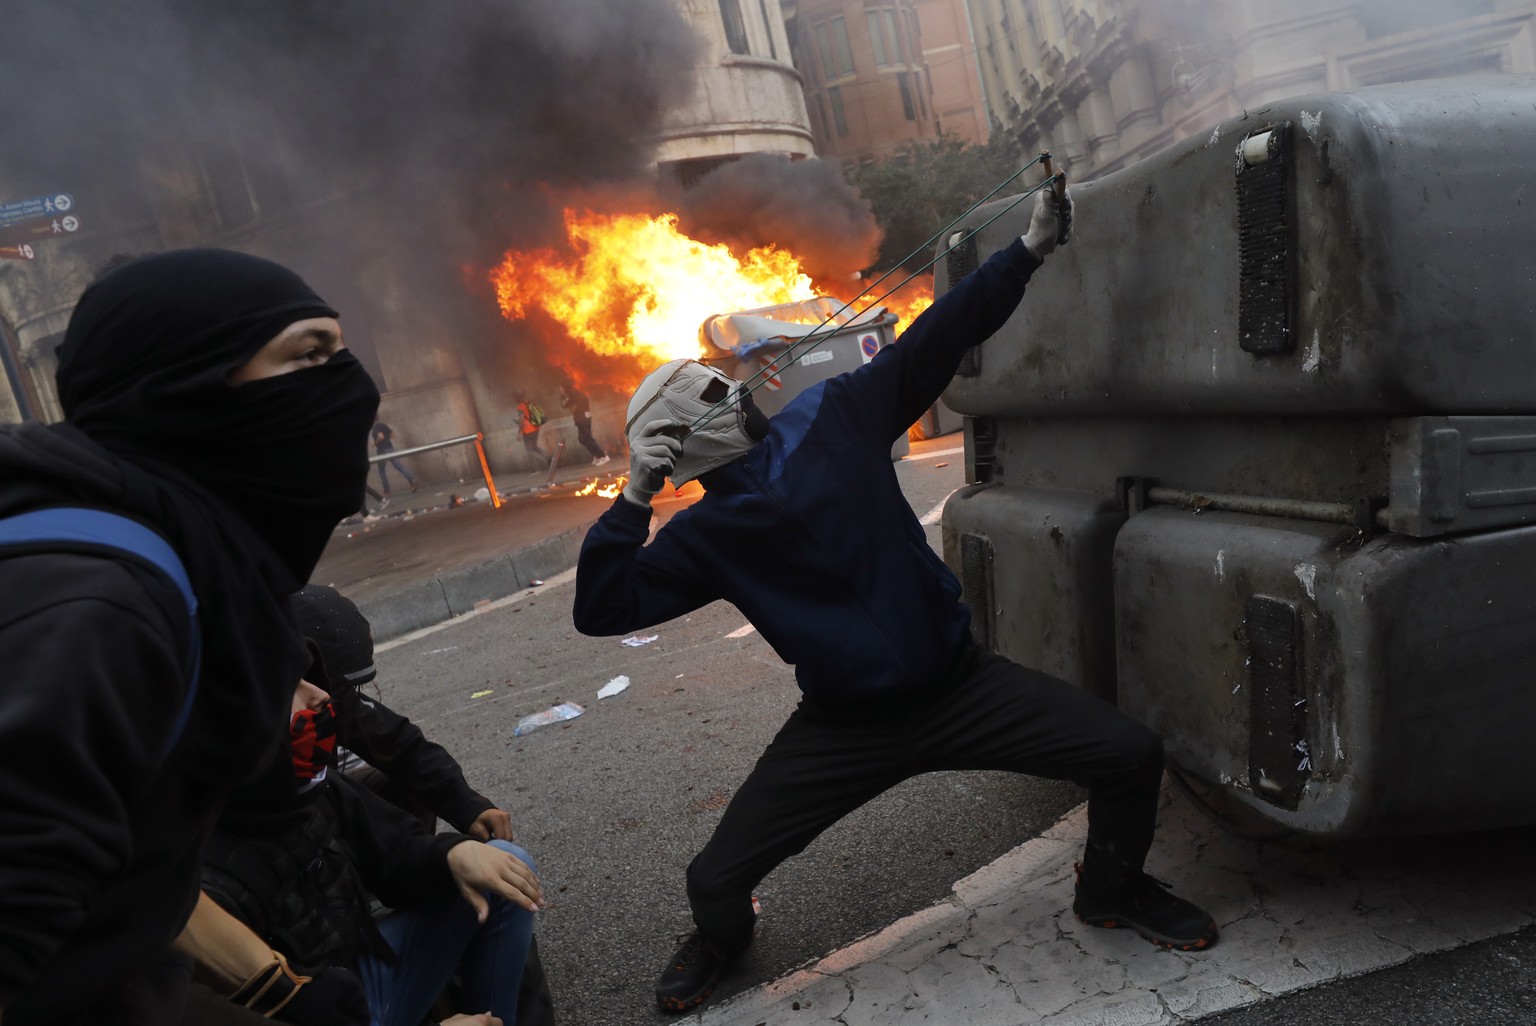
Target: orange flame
(638,286)
(633,291)
(610,490)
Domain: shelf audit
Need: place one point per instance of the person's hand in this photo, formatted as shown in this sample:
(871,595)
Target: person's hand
(492,823)
(481,869)
(651,458)
(483,1019)
(1051,223)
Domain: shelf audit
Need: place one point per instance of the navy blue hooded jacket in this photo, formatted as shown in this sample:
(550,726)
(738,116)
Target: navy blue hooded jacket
(808,533)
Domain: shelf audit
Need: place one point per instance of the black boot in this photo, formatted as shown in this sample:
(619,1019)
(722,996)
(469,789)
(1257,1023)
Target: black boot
(1137,901)
(695,970)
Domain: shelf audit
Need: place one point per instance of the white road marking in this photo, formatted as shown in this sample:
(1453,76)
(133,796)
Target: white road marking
(933,515)
(741,632)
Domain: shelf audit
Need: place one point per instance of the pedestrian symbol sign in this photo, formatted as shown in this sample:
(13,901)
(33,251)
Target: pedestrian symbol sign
(38,207)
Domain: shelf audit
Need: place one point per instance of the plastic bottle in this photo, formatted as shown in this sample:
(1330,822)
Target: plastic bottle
(554,714)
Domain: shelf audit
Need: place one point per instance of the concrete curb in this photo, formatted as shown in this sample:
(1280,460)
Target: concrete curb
(433,601)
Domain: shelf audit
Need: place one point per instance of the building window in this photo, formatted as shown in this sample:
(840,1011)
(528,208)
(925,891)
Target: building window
(773,50)
(735,27)
(906,97)
(836,57)
(885,37)
(820,112)
(835,94)
(228,186)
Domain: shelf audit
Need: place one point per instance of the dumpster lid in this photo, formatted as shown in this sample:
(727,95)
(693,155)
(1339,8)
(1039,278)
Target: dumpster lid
(746,331)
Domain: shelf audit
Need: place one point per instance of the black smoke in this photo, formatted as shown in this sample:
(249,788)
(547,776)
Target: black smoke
(448,117)
(804,206)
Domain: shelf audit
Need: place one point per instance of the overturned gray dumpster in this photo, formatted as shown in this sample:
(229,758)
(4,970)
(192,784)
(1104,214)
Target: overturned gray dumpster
(1256,457)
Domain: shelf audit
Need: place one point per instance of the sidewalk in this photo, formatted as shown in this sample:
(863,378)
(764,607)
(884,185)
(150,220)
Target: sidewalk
(1005,949)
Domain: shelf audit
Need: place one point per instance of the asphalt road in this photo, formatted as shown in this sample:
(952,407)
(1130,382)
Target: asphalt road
(615,803)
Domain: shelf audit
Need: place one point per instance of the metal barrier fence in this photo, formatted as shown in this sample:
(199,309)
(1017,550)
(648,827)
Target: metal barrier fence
(476,438)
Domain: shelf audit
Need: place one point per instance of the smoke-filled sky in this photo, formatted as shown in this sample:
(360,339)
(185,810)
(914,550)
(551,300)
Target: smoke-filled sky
(450,109)
(804,206)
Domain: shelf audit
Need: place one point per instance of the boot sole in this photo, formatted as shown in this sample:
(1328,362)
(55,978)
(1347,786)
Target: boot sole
(1161,940)
(677,1005)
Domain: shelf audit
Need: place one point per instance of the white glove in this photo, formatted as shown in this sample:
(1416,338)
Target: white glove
(1051,223)
(651,458)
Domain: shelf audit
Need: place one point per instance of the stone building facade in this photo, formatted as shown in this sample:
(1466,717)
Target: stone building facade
(748,97)
(949,61)
(1103,83)
(866,83)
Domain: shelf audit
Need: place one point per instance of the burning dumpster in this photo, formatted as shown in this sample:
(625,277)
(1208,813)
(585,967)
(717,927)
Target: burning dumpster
(755,345)
(1256,457)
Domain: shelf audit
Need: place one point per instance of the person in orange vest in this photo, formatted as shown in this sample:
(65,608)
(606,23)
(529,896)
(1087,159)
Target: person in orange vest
(530,418)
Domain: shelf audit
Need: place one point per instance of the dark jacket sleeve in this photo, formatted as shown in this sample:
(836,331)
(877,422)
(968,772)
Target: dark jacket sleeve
(390,742)
(622,584)
(892,390)
(93,683)
(395,856)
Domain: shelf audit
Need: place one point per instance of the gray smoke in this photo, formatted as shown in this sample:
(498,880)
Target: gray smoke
(449,115)
(804,206)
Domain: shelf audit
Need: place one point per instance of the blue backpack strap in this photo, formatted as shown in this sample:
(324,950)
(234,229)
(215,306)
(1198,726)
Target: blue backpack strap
(72,524)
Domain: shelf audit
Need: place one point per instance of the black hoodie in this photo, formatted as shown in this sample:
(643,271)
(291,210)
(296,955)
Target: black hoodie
(100,829)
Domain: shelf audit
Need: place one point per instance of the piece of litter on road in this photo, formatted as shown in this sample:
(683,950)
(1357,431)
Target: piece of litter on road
(613,687)
(535,582)
(944,464)
(440,651)
(481,604)
(482,694)
(635,640)
(554,714)
(741,632)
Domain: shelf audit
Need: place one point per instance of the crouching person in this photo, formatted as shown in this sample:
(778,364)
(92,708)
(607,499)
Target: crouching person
(299,871)
(384,750)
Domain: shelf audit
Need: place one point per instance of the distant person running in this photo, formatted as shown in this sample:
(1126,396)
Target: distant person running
(530,418)
(573,399)
(384,442)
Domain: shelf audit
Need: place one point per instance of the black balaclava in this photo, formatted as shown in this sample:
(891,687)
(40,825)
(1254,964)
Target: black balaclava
(144,371)
(245,481)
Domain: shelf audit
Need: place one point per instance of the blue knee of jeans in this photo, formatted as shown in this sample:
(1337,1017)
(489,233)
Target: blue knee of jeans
(516,852)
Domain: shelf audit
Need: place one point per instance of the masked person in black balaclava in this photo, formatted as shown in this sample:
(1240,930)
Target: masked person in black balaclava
(804,528)
(207,396)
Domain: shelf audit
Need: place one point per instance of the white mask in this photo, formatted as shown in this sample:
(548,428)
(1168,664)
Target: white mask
(682,392)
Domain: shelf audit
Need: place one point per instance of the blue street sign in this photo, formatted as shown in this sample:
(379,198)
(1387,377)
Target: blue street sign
(50,206)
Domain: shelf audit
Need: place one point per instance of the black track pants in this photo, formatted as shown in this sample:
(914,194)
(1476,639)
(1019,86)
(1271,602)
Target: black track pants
(989,713)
